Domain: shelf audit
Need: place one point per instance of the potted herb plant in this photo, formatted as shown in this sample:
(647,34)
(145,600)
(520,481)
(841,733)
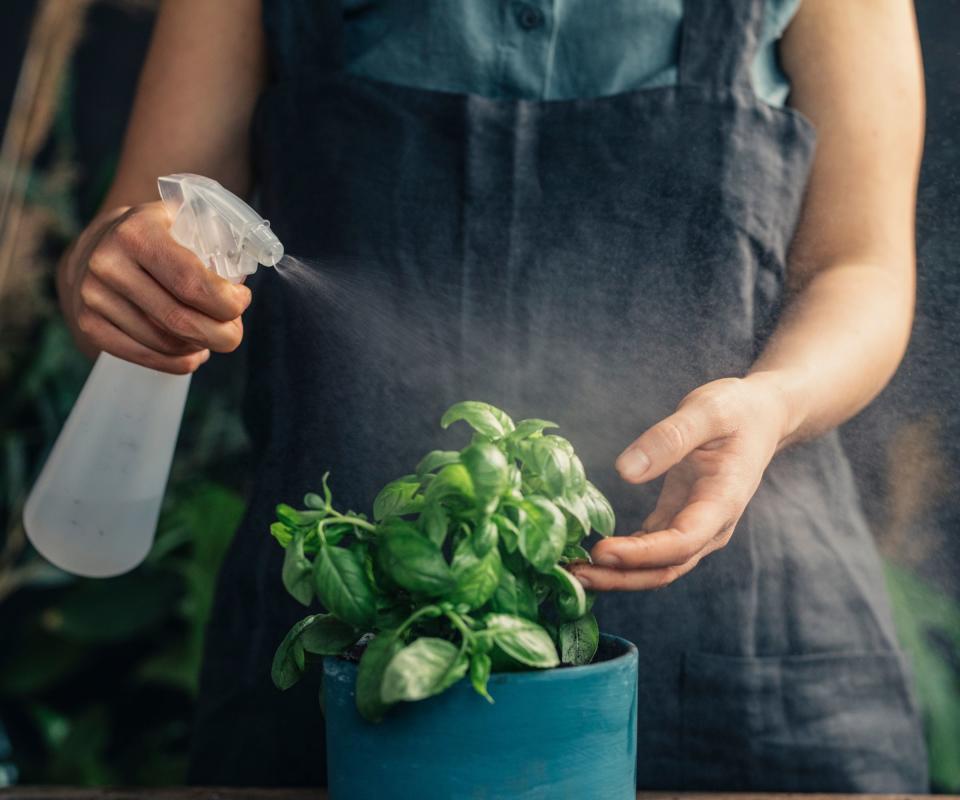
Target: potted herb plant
(455,595)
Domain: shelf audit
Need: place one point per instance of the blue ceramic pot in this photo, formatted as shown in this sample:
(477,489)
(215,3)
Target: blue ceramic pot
(558,733)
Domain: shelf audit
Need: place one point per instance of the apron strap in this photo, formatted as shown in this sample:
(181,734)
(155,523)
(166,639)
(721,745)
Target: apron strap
(718,43)
(303,36)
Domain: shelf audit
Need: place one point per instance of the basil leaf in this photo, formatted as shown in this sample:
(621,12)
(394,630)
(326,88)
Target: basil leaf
(508,532)
(373,663)
(412,560)
(482,417)
(504,599)
(488,471)
(480,674)
(422,669)
(344,587)
(321,634)
(326,635)
(282,533)
(523,640)
(579,640)
(543,533)
(484,537)
(434,522)
(289,659)
(527,604)
(530,427)
(576,552)
(476,578)
(436,459)
(397,498)
(571,598)
(314,501)
(576,508)
(452,480)
(599,511)
(295,519)
(297,572)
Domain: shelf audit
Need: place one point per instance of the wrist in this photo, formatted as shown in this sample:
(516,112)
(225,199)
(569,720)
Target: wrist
(782,399)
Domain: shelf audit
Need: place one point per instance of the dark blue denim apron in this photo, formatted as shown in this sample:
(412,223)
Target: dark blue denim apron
(587,261)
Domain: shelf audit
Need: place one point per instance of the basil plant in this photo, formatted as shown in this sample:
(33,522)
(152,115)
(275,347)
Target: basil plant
(459,573)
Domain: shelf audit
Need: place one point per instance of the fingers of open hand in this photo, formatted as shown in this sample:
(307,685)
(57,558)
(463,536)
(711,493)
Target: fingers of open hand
(700,418)
(118,271)
(110,338)
(655,559)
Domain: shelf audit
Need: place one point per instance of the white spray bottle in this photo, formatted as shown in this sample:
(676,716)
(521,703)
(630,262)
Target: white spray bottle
(93,511)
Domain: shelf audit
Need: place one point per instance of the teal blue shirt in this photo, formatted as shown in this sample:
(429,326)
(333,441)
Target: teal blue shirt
(537,49)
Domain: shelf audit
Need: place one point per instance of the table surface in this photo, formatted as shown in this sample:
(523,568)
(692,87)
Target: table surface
(194,793)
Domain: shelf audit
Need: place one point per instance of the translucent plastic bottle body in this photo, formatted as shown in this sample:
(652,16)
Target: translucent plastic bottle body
(93,511)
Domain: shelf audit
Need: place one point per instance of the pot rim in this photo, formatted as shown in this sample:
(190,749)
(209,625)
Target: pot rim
(629,657)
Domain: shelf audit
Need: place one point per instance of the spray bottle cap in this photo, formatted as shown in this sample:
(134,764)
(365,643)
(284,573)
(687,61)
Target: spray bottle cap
(225,233)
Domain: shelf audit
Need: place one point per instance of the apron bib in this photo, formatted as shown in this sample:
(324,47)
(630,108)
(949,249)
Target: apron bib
(586,261)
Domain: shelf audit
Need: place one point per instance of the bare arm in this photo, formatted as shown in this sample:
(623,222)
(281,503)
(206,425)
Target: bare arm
(856,73)
(125,286)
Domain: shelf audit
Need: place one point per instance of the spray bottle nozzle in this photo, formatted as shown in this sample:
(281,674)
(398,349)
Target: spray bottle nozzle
(225,233)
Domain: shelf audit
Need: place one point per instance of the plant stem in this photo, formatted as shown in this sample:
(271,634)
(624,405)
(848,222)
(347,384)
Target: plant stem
(422,612)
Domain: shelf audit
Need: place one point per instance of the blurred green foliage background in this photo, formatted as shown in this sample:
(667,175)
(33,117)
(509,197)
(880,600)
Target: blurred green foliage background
(98,678)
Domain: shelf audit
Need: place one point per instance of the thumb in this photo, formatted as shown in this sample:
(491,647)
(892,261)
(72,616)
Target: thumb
(667,443)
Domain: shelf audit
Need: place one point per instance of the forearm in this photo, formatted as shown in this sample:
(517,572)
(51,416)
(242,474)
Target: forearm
(838,344)
(855,73)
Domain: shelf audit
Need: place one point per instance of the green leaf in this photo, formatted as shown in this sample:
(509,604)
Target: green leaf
(577,509)
(282,533)
(480,674)
(412,560)
(507,531)
(321,634)
(422,669)
(452,480)
(296,519)
(289,659)
(344,587)
(530,427)
(435,459)
(599,511)
(297,573)
(484,537)
(434,521)
(553,459)
(576,552)
(397,498)
(571,598)
(482,417)
(476,578)
(314,501)
(523,640)
(543,533)
(327,636)
(504,598)
(487,466)
(373,663)
(579,640)
(527,604)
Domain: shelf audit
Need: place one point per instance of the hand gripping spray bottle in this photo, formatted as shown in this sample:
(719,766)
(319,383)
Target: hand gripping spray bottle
(93,511)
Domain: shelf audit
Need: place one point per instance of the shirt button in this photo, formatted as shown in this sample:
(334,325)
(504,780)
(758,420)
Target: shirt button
(529,17)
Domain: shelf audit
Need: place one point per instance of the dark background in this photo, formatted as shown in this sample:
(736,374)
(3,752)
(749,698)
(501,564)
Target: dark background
(97,678)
